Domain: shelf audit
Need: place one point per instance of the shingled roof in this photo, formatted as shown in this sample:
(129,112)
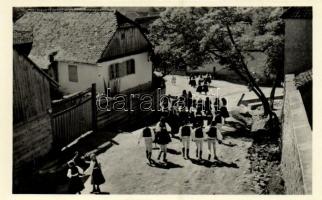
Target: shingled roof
(76,35)
(298,13)
(22,37)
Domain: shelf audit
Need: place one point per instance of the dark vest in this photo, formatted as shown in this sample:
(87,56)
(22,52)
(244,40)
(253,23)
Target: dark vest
(212,132)
(185,131)
(199,133)
(147,132)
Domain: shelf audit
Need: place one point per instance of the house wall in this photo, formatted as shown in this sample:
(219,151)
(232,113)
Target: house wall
(298,45)
(143,71)
(88,74)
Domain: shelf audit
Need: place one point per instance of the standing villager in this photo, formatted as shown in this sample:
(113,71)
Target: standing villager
(208,116)
(212,132)
(95,171)
(74,174)
(199,117)
(205,88)
(223,109)
(189,102)
(208,104)
(173,121)
(199,88)
(198,138)
(148,136)
(219,120)
(185,133)
(217,104)
(162,137)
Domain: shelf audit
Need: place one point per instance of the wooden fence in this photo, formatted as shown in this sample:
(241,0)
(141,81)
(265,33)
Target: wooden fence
(73,117)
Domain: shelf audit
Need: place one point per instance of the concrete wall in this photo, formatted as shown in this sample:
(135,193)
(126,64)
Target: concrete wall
(298,45)
(296,142)
(88,74)
(31,141)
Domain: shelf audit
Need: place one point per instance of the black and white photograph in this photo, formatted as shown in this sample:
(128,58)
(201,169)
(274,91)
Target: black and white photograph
(162,100)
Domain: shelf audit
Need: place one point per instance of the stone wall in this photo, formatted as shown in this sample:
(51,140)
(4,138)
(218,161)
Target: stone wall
(296,142)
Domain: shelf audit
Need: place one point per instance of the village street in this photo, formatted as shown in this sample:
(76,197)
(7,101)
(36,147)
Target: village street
(126,170)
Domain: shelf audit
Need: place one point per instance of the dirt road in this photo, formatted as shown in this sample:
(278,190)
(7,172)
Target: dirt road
(127,172)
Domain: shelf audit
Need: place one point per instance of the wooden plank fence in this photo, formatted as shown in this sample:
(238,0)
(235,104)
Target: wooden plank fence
(73,117)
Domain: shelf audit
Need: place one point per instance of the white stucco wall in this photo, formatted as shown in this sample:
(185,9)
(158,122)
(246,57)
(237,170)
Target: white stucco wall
(143,71)
(88,74)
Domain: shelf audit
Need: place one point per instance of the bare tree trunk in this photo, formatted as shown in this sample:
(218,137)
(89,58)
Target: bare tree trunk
(254,85)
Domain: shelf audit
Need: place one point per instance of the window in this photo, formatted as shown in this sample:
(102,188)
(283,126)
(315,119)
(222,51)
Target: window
(114,71)
(130,66)
(122,36)
(72,73)
(122,69)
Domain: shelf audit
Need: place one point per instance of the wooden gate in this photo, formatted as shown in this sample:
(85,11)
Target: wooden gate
(73,116)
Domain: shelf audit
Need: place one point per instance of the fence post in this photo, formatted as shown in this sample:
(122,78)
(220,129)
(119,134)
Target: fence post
(94,109)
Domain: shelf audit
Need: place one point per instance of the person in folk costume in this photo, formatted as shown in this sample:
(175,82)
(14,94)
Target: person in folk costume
(199,88)
(183,116)
(190,80)
(208,116)
(194,103)
(193,82)
(205,88)
(173,121)
(200,79)
(208,79)
(219,120)
(95,171)
(165,105)
(185,133)
(217,104)
(191,117)
(148,136)
(213,133)
(162,137)
(189,101)
(199,117)
(223,109)
(208,104)
(198,138)
(74,174)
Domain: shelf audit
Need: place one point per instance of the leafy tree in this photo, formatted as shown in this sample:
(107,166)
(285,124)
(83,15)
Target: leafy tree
(193,36)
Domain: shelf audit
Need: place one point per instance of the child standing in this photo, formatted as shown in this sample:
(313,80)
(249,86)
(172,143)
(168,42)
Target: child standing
(74,174)
(212,132)
(148,139)
(198,138)
(162,137)
(185,133)
(95,171)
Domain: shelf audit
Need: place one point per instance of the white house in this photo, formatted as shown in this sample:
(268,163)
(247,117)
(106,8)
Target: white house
(79,47)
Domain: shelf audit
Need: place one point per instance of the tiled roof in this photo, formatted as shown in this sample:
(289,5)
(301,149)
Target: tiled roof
(22,36)
(76,35)
(303,78)
(298,13)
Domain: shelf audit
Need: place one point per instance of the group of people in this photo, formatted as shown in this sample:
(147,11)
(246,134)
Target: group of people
(76,173)
(203,82)
(199,121)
